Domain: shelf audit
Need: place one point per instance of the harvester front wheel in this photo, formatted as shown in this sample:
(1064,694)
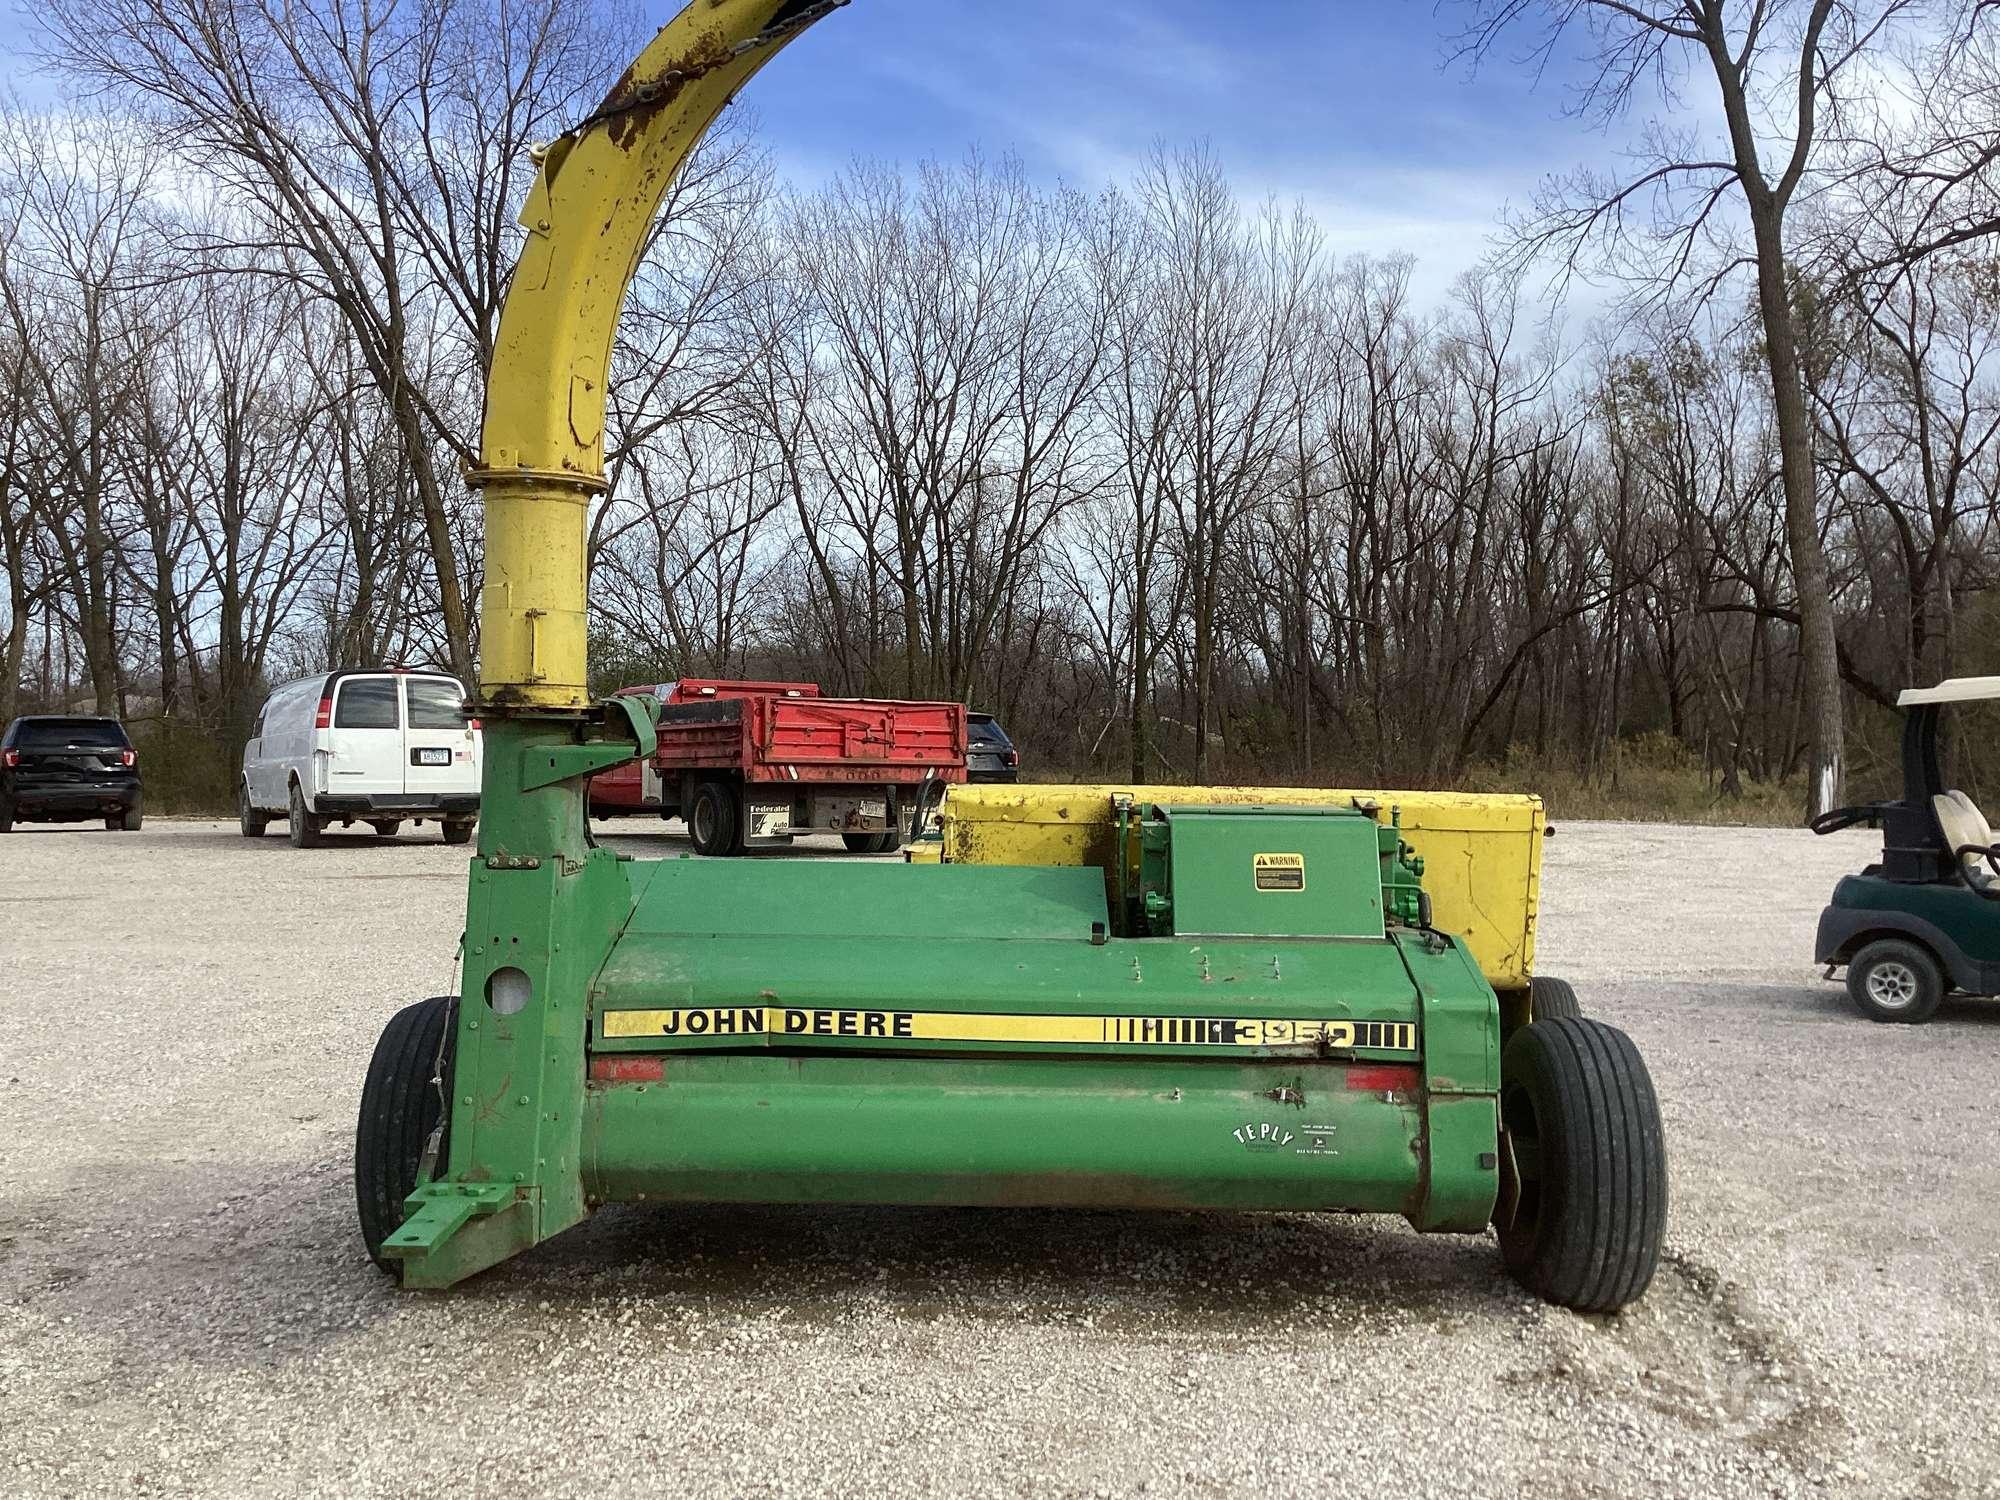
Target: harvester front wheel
(1586,1163)
(402,1102)
(1552,999)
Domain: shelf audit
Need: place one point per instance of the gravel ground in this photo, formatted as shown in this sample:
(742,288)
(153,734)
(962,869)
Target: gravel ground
(185,1306)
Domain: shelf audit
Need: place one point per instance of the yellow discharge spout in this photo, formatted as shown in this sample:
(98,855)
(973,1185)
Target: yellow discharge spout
(542,446)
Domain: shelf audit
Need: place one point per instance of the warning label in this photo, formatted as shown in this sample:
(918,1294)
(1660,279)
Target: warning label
(1280,872)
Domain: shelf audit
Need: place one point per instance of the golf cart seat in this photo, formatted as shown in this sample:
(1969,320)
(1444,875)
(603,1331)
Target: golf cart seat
(1970,840)
(1975,819)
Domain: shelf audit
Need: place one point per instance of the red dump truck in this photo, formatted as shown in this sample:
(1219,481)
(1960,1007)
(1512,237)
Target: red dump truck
(751,765)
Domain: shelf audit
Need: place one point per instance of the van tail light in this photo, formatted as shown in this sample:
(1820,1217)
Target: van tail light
(323,719)
(1013,757)
(128,757)
(10,758)
(472,724)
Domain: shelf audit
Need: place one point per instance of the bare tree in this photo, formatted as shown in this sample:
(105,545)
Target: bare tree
(1781,71)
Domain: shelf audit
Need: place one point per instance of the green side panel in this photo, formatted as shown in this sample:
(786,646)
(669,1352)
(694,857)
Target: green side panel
(1461,1017)
(1461,1163)
(1023,1131)
(514,1117)
(766,898)
(980,941)
(1285,872)
(1968,918)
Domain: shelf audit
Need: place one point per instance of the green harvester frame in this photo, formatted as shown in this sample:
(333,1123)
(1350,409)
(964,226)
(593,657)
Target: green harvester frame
(1254,1012)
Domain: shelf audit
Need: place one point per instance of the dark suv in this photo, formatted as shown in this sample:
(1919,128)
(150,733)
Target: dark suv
(989,754)
(68,770)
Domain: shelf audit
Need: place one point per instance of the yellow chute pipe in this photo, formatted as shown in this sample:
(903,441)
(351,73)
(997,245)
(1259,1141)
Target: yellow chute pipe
(542,448)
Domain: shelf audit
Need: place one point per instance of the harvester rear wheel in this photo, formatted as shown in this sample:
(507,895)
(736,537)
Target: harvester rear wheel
(1552,999)
(1588,1158)
(402,1102)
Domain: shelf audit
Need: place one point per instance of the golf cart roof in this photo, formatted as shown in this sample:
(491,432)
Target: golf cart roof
(1951,690)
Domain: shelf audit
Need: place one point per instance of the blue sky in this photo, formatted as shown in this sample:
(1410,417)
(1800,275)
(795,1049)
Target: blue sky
(1345,105)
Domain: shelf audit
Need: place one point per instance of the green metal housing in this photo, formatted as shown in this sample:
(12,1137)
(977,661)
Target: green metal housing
(1273,1033)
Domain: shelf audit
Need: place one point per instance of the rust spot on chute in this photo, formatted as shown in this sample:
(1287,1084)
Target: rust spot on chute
(634,100)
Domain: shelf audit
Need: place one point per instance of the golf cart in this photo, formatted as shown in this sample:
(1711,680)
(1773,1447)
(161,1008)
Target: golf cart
(1926,919)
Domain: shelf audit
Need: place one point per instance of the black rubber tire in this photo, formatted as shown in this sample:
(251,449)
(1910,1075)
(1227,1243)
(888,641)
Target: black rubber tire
(1582,1120)
(712,820)
(860,843)
(301,827)
(131,820)
(457,830)
(1869,971)
(386,828)
(1552,999)
(252,822)
(6,817)
(400,1107)
(889,841)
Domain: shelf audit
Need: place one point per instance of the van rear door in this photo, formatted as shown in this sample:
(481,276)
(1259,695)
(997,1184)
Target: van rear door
(365,740)
(440,747)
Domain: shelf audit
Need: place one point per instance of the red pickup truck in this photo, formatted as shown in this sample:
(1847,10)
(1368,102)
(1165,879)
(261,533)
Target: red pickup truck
(753,764)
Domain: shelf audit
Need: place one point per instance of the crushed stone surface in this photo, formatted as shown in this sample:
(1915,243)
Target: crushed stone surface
(186,1308)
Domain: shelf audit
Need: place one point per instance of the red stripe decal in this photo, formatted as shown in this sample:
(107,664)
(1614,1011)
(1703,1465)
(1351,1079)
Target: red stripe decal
(627,1069)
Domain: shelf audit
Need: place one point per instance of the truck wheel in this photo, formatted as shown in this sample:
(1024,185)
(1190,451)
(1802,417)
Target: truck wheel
(252,822)
(304,829)
(402,1102)
(6,816)
(1894,980)
(1552,999)
(860,843)
(1582,1126)
(131,820)
(386,828)
(890,841)
(456,830)
(712,819)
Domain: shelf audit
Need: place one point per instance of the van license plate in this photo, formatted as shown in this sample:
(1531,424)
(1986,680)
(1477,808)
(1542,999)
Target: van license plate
(430,757)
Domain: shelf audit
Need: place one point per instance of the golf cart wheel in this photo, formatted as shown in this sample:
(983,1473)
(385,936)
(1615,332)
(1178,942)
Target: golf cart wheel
(386,828)
(402,1102)
(302,827)
(1894,980)
(457,830)
(1587,1158)
(1552,999)
(252,822)
(712,819)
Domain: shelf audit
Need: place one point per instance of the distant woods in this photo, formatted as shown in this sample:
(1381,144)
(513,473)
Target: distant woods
(1143,469)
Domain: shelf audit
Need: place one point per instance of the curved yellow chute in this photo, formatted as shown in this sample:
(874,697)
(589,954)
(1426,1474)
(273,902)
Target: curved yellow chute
(542,448)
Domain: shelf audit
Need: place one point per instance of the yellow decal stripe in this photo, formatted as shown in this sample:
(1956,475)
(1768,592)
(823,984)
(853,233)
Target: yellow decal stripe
(806,1024)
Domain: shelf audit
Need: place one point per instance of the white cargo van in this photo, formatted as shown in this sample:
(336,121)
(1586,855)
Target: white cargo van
(372,747)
